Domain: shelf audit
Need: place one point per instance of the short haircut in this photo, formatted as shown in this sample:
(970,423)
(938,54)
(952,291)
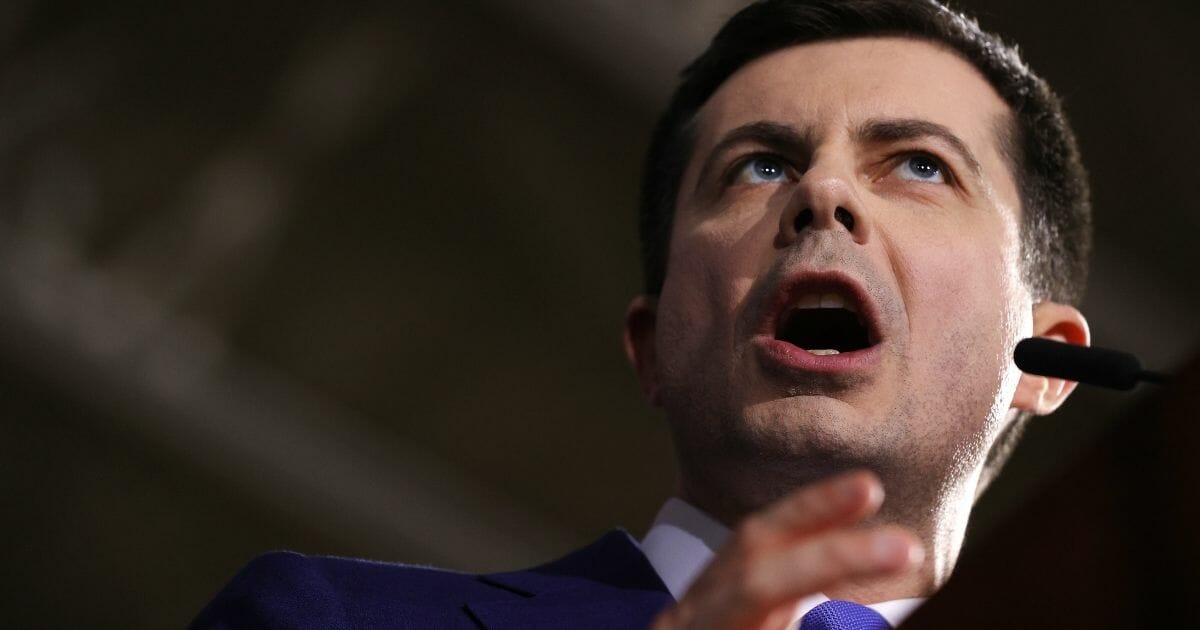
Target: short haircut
(1056,224)
(1038,141)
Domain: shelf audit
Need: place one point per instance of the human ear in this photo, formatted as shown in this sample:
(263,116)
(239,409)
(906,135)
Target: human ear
(1061,322)
(638,340)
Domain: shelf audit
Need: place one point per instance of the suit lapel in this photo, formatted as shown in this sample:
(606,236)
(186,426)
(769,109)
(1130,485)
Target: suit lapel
(608,584)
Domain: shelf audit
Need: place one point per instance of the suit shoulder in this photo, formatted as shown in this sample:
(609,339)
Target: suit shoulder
(284,589)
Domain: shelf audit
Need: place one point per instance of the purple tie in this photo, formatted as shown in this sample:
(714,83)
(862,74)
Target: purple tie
(836,614)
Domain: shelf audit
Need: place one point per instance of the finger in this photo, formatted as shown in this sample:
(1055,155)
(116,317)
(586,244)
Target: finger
(836,502)
(829,559)
(753,594)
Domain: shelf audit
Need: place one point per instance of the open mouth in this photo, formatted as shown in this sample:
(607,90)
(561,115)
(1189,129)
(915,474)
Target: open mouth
(824,321)
(820,322)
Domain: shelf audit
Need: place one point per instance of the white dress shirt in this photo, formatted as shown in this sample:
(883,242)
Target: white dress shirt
(683,540)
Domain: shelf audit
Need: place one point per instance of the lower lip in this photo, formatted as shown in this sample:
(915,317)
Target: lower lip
(782,354)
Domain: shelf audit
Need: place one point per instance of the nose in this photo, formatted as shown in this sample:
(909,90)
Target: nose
(824,199)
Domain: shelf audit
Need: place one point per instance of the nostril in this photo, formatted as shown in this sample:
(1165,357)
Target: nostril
(803,219)
(844,217)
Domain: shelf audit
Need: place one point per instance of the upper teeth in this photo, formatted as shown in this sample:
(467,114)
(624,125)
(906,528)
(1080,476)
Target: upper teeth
(825,300)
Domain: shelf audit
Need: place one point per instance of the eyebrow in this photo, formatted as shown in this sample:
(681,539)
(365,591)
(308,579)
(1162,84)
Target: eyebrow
(894,129)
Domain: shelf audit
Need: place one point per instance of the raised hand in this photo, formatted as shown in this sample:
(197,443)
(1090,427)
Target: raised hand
(798,546)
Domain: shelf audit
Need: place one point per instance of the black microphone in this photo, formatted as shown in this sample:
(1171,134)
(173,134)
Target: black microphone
(1085,364)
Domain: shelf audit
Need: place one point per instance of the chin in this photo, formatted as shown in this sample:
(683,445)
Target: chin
(811,427)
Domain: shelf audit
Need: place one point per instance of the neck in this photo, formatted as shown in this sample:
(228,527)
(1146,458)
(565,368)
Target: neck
(937,516)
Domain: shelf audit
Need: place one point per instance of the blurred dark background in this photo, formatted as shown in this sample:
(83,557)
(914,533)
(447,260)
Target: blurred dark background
(348,278)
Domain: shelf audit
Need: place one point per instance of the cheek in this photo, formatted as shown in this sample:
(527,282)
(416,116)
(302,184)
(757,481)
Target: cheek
(966,300)
(711,268)
(963,281)
(957,287)
(715,261)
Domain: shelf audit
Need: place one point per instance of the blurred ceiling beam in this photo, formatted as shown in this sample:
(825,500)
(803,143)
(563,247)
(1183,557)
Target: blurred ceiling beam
(174,383)
(637,46)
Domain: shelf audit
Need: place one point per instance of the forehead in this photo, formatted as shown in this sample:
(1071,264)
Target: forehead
(824,86)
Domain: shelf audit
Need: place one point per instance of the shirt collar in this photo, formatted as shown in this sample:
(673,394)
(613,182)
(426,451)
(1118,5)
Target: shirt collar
(680,543)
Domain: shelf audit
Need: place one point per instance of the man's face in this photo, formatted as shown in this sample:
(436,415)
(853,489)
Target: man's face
(843,287)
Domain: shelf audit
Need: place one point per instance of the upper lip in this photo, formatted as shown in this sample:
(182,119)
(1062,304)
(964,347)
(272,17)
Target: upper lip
(798,284)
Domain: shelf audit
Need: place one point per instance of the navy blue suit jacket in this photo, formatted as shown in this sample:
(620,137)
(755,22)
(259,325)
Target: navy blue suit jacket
(608,584)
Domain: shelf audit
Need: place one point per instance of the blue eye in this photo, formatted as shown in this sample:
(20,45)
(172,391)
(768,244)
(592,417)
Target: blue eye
(921,168)
(763,170)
